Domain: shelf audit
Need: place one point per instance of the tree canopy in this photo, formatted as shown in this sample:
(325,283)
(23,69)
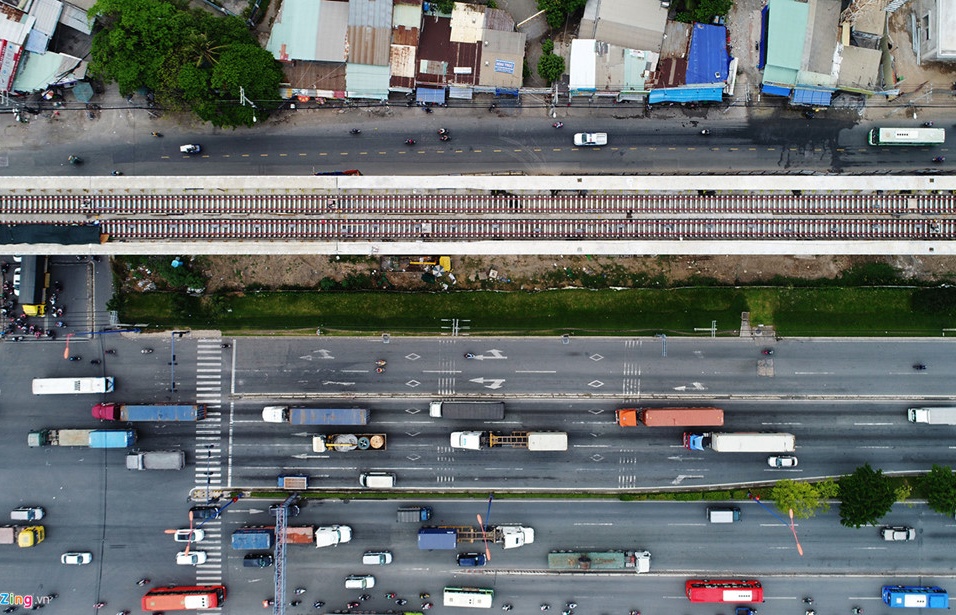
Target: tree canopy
(865,497)
(803,498)
(558,11)
(188,58)
(940,488)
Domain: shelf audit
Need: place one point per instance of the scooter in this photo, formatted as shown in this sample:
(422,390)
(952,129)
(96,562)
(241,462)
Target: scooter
(115,172)
(147,351)
(705,132)
(557,125)
(927,124)
(939,159)
(76,357)
(442,131)
(111,351)
(506,607)
(920,367)
(94,361)
(355,131)
(444,138)
(156,134)
(299,591)
(141,582)
(469,355)
(75,160)
(409,141)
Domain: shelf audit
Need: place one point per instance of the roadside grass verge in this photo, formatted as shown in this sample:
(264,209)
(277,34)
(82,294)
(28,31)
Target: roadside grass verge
(794,311)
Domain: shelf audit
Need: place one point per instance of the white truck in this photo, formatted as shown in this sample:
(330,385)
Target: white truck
(746,442)
(932,416)
(156,460)
(531,440)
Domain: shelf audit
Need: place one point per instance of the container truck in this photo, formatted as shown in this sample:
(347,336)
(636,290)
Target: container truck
(315,416)
(638,561)
(156,460)
(932,416)
(92,438)
(256,538)
(476,410)
(299,535)
(741,442)
(23,537)
(446,537)
(531,440)
(414,514)
(670,417)
(158,412)
(344,442)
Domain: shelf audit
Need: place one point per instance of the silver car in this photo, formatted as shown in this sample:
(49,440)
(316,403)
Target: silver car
(899,532)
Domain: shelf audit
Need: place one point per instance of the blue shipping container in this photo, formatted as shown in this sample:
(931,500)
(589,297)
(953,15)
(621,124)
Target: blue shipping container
(252,538)
(437,538)
(112,438)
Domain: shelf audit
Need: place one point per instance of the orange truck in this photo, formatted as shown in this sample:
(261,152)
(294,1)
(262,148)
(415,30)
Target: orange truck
(670,417)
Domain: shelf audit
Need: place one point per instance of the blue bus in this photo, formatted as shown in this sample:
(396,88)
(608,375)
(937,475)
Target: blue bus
(915,597)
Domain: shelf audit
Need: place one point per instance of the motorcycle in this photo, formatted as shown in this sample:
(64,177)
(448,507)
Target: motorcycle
(380,363)
(571,605)
(506,607)
(94,361)
(428,109)
(365,597)
(401,602)
(141,582)
(427,606)
(409,141)
(443,131)
(939,159)
(147,351)
(115,172)
(391,595)
(111,351)
(545,607)
(920,367)
(379,370)
(469,355)
(76,357)
(75,160)
(424,596)
(767,351)
(444,138)
(299,590)
(353,605)
(224,345)
(705,132)
(927,124)
(318,604)
(156,134)
(557,125)
(99,605)
(355,131)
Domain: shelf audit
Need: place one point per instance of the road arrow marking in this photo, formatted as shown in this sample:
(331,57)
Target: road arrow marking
(494,383)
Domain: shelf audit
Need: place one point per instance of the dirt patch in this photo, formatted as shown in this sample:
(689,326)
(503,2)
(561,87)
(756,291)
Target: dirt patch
(538,273)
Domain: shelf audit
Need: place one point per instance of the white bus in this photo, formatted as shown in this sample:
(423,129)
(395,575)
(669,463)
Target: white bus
(72,386)
(907,136)
(470,597)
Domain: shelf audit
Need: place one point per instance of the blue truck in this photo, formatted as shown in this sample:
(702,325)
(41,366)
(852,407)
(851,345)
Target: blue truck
(315,416)
(414,514)
(91,438)
(158,412)
(445,538)
(255,538)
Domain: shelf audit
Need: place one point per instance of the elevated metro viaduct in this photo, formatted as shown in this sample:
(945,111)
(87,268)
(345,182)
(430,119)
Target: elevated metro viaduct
(411,215)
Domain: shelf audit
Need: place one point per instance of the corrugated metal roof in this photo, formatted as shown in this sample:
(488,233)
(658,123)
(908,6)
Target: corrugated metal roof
(15,28)
(310,30)
(405,36)
(373,13)
(47,13)
(467,22)
(369,82)
(369,45)
(458,62)
(402,61)
(498,19)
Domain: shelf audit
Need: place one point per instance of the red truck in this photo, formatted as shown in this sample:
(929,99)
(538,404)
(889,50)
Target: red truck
(670,417)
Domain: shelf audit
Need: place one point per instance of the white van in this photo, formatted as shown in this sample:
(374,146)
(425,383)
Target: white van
(359,581)
(27,513)
(377,558)
(377,480)
(723,514)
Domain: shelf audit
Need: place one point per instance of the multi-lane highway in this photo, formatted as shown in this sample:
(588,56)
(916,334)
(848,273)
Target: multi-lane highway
(844,401)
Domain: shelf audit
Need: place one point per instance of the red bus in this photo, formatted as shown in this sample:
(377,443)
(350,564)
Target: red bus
(184,598)
(724,590)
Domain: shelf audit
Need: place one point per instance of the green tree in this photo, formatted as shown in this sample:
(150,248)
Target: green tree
(551,67)
(803,498)
(557,12)
(706,10)
(865,497)
(940,488)
(189,58)
(547,46)
(445,7)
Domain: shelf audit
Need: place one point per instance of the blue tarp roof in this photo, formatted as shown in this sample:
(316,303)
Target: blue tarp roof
(775,90)
(430,95)
(686,95)
(708,61)
(812,97)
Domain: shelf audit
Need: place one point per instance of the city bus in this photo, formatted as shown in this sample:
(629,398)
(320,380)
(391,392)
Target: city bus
(34,282)
(724,590)
(184,598)
(912,597)
(907,136)
(471,597)
(72,386)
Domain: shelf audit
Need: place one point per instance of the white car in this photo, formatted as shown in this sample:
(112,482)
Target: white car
(590,139)
(16,281)
(377,558)
(193,558)
(190,148)
(188,535)
(786,461)
(76,558)
(901,532)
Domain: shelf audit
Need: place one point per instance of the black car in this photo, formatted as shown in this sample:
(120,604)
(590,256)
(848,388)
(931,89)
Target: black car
(204,512)
(292,508)
(258,560)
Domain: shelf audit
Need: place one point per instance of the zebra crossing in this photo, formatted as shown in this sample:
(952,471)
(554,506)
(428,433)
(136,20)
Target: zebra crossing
(209,448)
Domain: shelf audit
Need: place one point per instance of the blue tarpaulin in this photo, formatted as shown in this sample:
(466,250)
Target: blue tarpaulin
(686,95)
(430,95)
(708,61)
(764,31)
(811,97)
(775,90)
